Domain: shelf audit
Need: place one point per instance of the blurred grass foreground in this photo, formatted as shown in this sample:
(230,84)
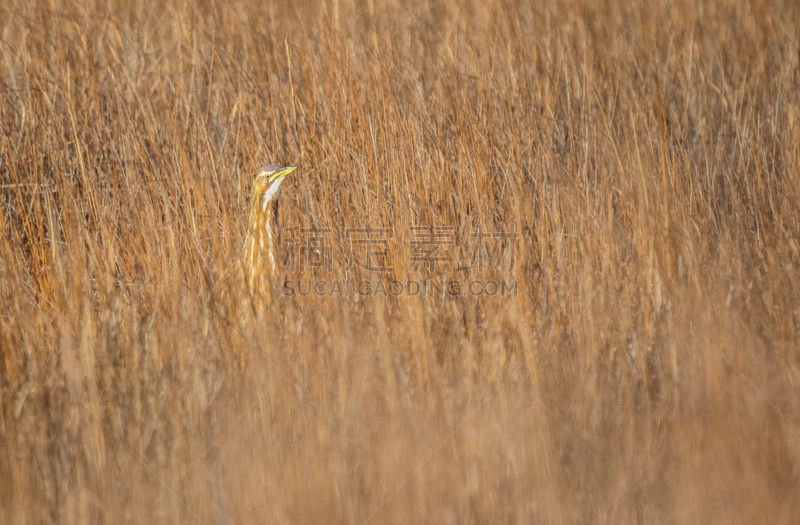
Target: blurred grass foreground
(628,173)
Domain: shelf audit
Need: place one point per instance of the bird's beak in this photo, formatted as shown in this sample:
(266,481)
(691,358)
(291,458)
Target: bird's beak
(281,173)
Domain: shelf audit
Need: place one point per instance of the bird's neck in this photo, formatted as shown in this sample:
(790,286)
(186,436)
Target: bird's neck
(260,247)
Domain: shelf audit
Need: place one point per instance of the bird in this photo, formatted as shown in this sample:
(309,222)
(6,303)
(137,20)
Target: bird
(259,260)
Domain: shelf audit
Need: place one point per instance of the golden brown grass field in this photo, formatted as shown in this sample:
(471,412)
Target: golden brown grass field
(646,154)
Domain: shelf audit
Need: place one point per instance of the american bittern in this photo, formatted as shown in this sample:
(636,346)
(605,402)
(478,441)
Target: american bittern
(259,260)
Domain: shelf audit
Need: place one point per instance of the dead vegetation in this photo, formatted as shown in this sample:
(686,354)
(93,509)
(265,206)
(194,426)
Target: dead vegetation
(646,154)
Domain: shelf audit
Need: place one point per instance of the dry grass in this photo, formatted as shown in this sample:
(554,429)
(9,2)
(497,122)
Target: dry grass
(647,154)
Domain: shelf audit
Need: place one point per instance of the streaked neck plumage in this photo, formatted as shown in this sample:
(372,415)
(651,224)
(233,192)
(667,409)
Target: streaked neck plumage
(259,248)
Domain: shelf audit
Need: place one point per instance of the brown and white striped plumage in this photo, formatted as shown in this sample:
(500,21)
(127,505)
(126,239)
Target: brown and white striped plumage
(259,253)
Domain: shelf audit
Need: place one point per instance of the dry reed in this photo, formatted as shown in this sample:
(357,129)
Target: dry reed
(647,155)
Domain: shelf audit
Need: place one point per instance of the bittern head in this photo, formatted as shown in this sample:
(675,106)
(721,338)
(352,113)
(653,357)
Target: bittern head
(267,185)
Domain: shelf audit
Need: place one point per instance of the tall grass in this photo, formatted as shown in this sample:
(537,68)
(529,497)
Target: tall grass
(647,155)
